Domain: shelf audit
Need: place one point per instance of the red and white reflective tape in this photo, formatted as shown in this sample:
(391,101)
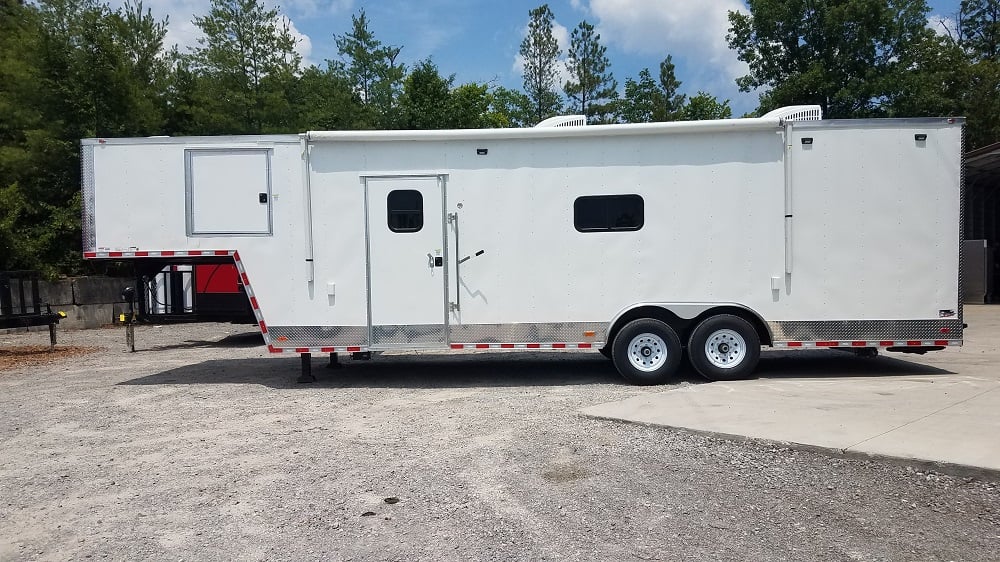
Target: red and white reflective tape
(158,254)
(337,349)
(457,346)
(254,305)
(583,345)
(879,343)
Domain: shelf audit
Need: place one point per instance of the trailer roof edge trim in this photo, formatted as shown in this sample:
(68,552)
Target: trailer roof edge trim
(717,125)
(880,122)
(213,141)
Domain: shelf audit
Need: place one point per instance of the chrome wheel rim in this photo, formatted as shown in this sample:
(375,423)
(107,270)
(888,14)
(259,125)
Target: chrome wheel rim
(647,352)
(725,349)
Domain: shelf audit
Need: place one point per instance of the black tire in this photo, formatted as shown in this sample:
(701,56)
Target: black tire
(651,342)
(733,353)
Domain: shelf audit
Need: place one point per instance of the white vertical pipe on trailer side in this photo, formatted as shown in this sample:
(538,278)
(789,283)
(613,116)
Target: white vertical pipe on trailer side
(307,206)
(788,196)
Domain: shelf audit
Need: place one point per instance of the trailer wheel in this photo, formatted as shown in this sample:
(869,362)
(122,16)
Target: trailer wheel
(646,351)
(724,348)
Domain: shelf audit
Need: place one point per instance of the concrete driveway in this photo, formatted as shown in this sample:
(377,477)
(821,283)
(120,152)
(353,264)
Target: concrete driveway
(942,407)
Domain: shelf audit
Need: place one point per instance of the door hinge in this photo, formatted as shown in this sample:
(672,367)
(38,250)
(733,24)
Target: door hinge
(452,217)
(453,307)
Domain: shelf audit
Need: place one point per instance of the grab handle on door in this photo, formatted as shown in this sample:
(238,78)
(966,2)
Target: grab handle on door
(456,306)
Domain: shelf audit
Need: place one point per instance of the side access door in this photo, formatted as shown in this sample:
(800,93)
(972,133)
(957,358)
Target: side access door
(407,271)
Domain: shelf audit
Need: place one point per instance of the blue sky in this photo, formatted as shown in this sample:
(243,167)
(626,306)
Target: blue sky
(477,40)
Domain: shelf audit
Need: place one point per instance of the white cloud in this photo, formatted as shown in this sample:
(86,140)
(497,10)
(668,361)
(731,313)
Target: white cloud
(681,27)
(303,45)
(942,25)
(693,32)
(560,32)
(182,32)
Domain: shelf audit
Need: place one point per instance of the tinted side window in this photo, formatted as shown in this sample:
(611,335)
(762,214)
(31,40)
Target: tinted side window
(602,213)
(406,210)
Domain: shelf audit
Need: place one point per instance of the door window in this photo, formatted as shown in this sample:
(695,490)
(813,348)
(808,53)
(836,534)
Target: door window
(405,210)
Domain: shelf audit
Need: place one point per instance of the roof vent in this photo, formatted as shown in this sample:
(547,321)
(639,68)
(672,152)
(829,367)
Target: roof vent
(797,113)
(564,121)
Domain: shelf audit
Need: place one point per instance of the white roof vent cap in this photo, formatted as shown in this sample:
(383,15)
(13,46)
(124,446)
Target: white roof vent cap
(797,113)
(564,121)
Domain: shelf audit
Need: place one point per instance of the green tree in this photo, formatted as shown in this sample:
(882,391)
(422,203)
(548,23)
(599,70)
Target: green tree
(139,36)
(325,99)
(510,108)
(248,61)
(70,69)
(425,101)
(705,106)
(983,105)
(672,102)
(470,107)
(980,28)
(373,70)
(647,100)
(844,55)
(540,53)
(936,84)
(19,121)
(642,96)
(592,86)
(187,108)
(980,40)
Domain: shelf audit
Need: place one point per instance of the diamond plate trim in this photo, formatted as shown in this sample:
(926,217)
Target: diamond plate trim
(874,330)
(529,332)
(402,335)
(433,335)
(87,219)
(309,336)
(961,228)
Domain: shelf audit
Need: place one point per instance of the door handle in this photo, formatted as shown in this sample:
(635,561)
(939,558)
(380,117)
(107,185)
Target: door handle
(262,197)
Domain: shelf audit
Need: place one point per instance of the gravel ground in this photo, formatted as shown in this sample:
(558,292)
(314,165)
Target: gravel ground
(201,446)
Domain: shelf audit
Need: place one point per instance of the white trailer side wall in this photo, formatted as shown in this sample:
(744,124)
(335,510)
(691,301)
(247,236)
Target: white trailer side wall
(713,220)
(876,221)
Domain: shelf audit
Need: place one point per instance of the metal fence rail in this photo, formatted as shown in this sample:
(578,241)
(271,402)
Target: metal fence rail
(21,305)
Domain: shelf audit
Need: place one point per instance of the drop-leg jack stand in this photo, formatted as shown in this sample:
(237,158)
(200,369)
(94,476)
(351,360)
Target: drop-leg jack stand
(128,295)
(334,362)
(306,375)
(52,335)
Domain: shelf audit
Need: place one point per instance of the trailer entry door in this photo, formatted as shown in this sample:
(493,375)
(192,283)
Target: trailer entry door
(406,261)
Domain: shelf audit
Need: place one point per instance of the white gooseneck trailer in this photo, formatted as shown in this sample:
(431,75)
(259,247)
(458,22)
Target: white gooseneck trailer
(635,240)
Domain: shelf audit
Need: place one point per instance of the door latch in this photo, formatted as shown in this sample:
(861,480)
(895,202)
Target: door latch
(262,197)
